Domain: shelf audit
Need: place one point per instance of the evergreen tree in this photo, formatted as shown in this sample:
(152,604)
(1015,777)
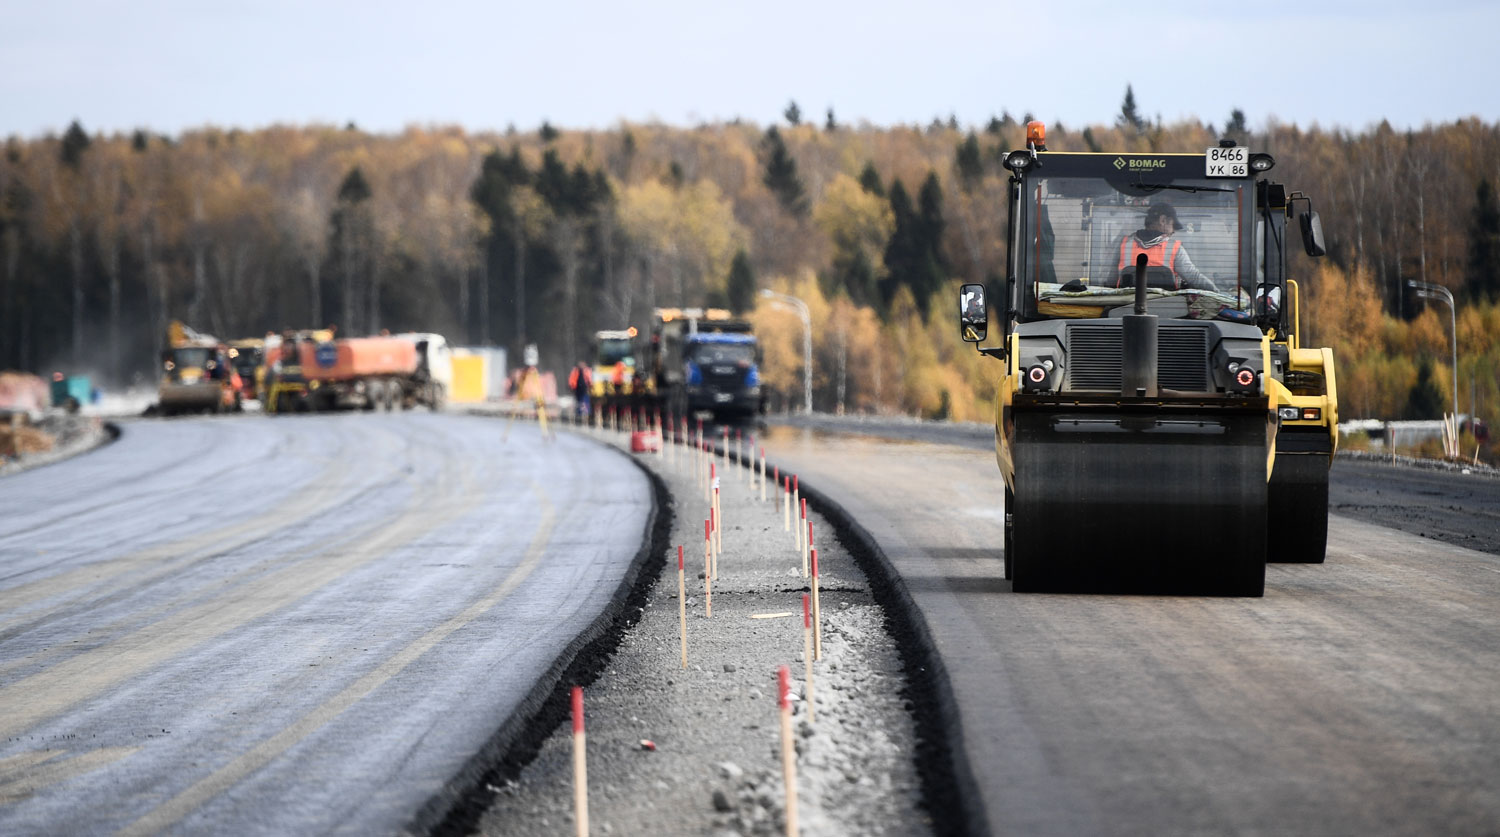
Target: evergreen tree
(1090,141)
(853,273)
(781,174)
(969,162)
(1424,401)
(793,113)
(741,285)
(74,143)
(351,246)
(831,124)
(904,254)
(994,127)
(1130,116)
(140,140)
(930,215)
(1484,244)
(869,180)
(547,132)
(1235,128)
(355,189)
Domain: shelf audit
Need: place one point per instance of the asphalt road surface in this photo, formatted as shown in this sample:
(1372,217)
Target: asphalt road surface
(288,626)
(1361,696)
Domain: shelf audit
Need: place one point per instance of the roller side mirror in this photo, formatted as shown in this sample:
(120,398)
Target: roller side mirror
(1312,234)
(973,319)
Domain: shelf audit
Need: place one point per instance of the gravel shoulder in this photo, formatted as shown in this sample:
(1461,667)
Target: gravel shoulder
(713,763)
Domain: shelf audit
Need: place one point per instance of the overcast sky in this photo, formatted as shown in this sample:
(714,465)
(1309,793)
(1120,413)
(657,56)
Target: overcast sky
(170,66)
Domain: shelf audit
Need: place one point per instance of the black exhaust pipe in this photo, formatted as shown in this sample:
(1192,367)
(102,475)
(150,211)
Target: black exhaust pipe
(1138,368)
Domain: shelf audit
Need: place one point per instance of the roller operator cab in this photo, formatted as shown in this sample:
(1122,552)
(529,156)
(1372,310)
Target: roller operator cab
(1159,428)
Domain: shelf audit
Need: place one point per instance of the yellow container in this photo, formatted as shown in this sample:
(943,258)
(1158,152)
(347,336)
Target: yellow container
(468,379)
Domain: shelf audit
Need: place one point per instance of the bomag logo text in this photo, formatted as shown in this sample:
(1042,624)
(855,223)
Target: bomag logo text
(1135,164)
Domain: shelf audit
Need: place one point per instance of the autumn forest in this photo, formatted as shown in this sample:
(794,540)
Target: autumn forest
(543,236)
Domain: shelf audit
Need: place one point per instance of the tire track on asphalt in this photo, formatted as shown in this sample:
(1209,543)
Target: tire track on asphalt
(54,690)
(174,810)
(324,493)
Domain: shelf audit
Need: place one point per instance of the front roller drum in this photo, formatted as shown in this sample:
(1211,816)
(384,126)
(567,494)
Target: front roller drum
(1298,521)
(1140,503)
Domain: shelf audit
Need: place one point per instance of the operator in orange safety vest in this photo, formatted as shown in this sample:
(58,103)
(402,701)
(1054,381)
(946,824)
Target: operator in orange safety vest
(1161,249)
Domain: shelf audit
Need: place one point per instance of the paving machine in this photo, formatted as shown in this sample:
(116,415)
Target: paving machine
(197,375)
(1159,427)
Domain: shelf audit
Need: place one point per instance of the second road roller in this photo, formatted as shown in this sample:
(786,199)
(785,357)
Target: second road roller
(1159,427)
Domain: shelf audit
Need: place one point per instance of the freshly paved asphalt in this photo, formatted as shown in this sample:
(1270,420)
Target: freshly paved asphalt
(1360,696)
(288,626)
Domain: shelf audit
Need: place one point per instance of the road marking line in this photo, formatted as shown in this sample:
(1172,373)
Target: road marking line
(16,785)
(173,810)
(316,499)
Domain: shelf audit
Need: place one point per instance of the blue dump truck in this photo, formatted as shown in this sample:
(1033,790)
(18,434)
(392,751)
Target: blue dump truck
(705,361)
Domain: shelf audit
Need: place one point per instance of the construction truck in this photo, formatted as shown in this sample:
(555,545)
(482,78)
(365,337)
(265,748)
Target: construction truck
(1159,426)
(197,375)
(432,380)
(314,371)
(704,360)
(617,379)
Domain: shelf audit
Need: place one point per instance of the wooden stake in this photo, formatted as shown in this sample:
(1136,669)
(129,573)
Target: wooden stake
(788,749)
(807,653)
(682,603)
(796,496)
(802,544)
(786,504)
(713,516)
(762,475)
(718,527)
(708,567)
(580,767)
(817,611)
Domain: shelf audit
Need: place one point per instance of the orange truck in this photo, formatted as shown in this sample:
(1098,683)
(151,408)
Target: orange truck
(358,372)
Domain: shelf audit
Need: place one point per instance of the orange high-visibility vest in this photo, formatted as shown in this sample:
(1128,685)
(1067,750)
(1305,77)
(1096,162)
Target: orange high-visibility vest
(1156,255)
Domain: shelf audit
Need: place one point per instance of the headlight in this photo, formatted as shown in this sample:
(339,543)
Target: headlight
(1018,160)
(1244,381)
(1036,378)
(1287,413)
(1261,162)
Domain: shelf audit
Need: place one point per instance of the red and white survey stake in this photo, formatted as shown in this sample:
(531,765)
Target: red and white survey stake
(716,535)
(682,603)
(807,653)
(809,535)
(708,493)
(802,538)
(718,529)
(788,749)
(580,767)
(708,567)
(762,475)
(786,501)
(817,611)
(796,499)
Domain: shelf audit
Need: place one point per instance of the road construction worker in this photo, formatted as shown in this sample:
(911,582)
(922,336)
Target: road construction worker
(1161,249)
(580,381)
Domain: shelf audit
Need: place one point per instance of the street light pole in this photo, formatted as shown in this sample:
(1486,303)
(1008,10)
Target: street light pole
(1427,290)
(806,341)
